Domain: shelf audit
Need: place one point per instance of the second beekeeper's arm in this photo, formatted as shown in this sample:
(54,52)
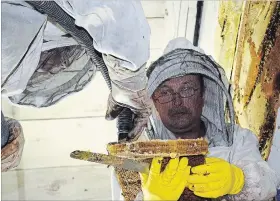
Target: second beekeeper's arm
(261,181)
(120,31)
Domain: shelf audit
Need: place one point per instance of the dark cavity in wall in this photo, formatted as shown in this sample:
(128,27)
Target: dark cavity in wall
(269,76)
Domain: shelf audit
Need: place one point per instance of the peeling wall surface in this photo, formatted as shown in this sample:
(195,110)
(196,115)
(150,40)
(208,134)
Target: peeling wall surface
(248,47)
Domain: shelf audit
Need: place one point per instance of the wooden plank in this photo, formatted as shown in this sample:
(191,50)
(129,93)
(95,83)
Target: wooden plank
(208,27)
(63,183)
(249,53)
(180,19)
(171,19)
(227,32)
(189,19)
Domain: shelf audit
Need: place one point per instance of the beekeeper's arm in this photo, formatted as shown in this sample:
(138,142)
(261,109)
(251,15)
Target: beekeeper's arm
(238,171)
(260,180)
(121,33)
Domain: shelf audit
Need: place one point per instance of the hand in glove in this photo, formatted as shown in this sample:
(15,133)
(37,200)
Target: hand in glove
(168,185)
(216,178)
(140,120)
(113,109)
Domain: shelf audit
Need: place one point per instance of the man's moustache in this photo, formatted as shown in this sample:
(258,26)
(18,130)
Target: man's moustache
(178,110)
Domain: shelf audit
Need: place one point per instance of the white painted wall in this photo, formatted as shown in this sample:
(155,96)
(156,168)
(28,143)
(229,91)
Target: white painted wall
(179,19)
(209,23)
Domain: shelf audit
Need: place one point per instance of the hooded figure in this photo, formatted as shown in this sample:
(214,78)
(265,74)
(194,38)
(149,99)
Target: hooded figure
(227,141)
(187,87)
(181,58)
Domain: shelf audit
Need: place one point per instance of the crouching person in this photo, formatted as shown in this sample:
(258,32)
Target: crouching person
(188,90)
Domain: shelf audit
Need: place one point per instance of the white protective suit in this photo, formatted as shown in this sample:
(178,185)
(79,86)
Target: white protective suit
(240,148)
(41,64)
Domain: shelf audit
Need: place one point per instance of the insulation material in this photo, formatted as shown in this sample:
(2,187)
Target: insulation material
(248,48)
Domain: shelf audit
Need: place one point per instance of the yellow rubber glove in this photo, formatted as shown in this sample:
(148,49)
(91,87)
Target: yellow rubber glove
(216,178)
(168,185)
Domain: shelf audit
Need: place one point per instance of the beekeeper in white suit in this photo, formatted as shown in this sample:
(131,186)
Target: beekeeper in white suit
(189,90)
(42,64)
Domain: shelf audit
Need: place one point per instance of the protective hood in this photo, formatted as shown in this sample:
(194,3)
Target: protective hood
(181,58)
